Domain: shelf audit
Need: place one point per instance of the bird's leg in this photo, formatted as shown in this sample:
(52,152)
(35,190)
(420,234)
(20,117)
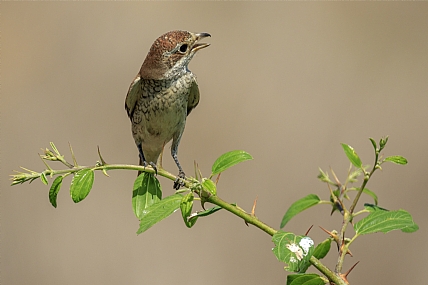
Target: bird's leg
(179,181)
(143,160)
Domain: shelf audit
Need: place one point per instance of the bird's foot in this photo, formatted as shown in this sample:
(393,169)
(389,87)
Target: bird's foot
(179,182)
(152,164)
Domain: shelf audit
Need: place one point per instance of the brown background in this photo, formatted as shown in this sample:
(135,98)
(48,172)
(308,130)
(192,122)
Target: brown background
(287,82)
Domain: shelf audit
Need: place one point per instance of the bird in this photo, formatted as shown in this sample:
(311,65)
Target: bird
(162,95)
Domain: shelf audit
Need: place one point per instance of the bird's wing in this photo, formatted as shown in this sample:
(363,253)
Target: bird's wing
(193,97)
(132,96)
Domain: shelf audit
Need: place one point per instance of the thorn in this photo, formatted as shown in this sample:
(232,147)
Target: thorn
(72,155)
(335,177)
(342,245)
(350,269)
(246,223)
(344,276)
(307,232)
(105,173)
(54,148)
(195,165)
(217,179)
(30,171)
(336,239)
(99,154)
(199,171)
(253,210)
(47,165)
(333,235)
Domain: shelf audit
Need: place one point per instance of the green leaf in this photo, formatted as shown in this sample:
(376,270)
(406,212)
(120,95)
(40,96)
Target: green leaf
(323,176)
(410,229)
(373,143)
(229,159)
(206,212)
(373,208)
(81,184)
(159,211)
(322,249)
(397,159)
(186,207)
(386,221)
(299,206)
(368,192)
(304,279)
(352,155)
(209,185)
(53,191)
(382,142)
(146,191)
(294,250)
(43,178)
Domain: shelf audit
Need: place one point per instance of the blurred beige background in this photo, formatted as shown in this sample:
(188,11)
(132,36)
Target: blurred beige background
(287,82)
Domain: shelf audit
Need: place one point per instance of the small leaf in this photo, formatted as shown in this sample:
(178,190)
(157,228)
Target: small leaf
(322,249)
(385,221)
(53,191)
(352,155)
(323,176)
(304,279)
(146,191)
(382,142)
(159,211)
(299,206)
(229,159)
(43,178)
(186,207)
(293,250)
(207,212)
(397,159)
(373,143)
(81,184)
(368,192)
(209,185)
(372,208)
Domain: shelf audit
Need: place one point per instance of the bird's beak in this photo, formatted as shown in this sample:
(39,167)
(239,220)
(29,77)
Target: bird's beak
(198,46)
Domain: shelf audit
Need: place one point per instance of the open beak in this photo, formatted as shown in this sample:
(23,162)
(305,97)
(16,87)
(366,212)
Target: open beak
(197,46)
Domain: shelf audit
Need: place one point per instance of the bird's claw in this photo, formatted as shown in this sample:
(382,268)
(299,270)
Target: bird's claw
(179,182)
(152,164)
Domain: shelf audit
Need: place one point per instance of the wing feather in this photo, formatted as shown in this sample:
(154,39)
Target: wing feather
(134,92)
(193,97)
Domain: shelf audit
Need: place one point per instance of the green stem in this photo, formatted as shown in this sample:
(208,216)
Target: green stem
(271,231)
(327,272)
(31,175)
(349,215)
(366,179)
(249,219)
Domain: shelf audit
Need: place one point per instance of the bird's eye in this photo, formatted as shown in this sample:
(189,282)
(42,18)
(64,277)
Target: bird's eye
(183,48)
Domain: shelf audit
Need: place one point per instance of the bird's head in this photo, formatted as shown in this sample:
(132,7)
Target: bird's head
(171,53)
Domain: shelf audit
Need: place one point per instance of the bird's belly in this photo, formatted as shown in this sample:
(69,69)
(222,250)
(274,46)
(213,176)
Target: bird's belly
(162,126)
(158,127)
